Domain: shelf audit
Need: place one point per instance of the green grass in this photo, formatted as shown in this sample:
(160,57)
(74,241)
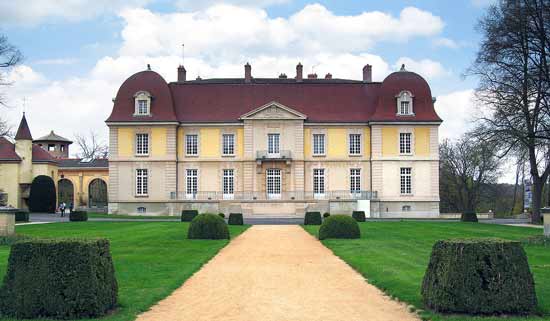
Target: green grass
(393,256)
(131,217)
(151,259)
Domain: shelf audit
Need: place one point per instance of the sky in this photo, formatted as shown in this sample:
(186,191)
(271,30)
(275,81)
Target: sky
(78,52)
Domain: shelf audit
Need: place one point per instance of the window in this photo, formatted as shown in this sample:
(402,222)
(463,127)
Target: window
(51,147)
(355,144)
(406,208)
(62,148)
(318,182)
(405,143)
(406,181)
(318,144)
(273,183)
(192,183)
(273,144)
(228,142)
(405,104)
(142,144)
(143,107)
(141,210)
(355,180)
(142,182)
(192,145)
(228,183)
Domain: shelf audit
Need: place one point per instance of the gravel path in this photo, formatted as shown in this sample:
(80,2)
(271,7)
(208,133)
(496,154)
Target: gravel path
(277,273)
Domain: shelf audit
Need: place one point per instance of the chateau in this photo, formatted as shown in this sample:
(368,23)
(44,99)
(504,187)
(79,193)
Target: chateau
(274,146)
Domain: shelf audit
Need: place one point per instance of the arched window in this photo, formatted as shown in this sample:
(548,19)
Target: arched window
(405,103)
(142,103)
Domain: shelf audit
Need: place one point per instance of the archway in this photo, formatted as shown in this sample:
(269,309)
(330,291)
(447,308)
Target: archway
(65,192)
(42,195)
(97,193)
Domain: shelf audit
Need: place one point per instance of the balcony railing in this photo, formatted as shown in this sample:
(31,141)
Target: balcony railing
(265,155)
(285,196)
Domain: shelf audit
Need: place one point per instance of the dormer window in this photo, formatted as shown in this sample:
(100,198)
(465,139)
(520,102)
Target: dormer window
(405,104)
(142,103)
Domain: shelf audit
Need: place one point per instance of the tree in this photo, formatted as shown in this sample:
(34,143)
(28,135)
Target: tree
(91,147)
(514,85)
(466,166)
(5,128)
(10,56)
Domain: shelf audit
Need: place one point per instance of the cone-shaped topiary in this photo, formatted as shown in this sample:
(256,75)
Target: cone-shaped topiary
(479,276)
(235,219)
(208,227)
(469,216)
(339,227)
(188,215)
(312,218)
(359,216)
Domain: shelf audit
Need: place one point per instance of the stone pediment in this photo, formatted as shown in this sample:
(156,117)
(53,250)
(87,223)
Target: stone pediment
(274,110)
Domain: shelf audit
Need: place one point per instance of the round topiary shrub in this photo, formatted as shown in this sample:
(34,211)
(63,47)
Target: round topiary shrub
(339,227)
(326,215)
(468,216)
(188,215)
(21,216)
(235,219)
(42,196)
(221,215)
(208,227)
(312,218)
(78,216)
(479,276)
(359,216)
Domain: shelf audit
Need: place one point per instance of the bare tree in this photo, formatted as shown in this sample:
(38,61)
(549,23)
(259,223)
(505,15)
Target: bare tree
(91,147)
(5,128)
(10,56)
(466,166)
(514,89)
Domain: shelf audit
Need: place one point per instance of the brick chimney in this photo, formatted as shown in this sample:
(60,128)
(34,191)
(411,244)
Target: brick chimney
(328,76)
(299,72)
(247,73)
(367,73)
(312,76)
(182,73)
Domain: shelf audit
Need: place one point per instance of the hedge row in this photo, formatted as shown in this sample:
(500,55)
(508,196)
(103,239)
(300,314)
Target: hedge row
(188,215)
(78,216)
(21,216)
(235,219)
(312,218)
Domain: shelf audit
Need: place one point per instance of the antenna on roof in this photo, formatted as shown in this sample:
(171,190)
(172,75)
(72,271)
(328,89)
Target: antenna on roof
(24,105)
(182,53)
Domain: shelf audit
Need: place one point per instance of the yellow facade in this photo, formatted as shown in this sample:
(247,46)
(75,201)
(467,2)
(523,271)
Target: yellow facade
(240,142)
(210,142)
(390,141)
(125,141)
(81,180)
(9,182)
(367,141)
(180,132)
(422,141)
(158,141)
(336,142)
(307,142)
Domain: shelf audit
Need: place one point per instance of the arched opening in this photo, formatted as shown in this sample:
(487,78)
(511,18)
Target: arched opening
(65,192)
(42,195)
(97,193)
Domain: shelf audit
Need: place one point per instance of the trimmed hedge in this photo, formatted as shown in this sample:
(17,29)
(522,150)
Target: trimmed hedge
(221,215)
(359,216)
(188,215)
(21,216)
(339,227)
(42,196)
(326,215)
(312,218)
(208,227)
(78,216)
(468,216)
(59,278)
(479,276)
(235,219)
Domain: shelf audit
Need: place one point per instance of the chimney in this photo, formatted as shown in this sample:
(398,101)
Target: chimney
(247,73)
(299,72)
(328,76)
(367,73)
(182,73)
(312,76)
(282,76)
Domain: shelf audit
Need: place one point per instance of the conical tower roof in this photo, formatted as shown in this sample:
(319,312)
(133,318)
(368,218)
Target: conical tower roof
(23,132)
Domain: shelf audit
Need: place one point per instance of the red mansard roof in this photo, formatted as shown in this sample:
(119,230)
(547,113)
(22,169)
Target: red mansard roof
(321,100)
(7,151)
(39,155)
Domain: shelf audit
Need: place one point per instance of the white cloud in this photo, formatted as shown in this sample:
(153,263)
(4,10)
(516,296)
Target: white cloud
(426,67)
(457,109)
(57,61)
(36,11)
(187,5)
(446,42)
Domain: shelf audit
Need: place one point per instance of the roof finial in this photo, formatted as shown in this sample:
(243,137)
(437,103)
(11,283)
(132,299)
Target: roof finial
(402,67)
(148,67)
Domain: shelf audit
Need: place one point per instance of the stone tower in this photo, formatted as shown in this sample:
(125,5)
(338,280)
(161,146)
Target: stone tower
(23,148)
(56,145)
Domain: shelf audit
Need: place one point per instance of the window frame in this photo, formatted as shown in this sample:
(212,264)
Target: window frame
(405,181)
(196,147)
(191,183)
(316,144)
(403,143)
(273,179)
(271,144)
(319,183)
(142,96)
(232,144)
(228,183)
(351,148)
(138,147)
(405,96)
(355,181)
(142,178)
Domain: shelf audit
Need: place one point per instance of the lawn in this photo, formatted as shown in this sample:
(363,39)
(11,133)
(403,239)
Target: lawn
(151,259)
(393,256)
(133,217)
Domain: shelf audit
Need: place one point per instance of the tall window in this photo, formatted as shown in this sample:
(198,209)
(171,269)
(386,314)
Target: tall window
(142,144)
(142,182)
(273,183)
(228,142)
(228,183)
(405,143)
(192,145)
(273,144)
(143,107)
(192,183)
(355,180)
(318,182)
(318,144)
(355,144)
(406,180)
(405,103)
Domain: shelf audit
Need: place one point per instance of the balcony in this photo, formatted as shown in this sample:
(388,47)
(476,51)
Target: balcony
(265,156)
(283,196)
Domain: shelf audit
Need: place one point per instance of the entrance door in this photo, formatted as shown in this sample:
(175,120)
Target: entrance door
(65,192)
(97,193)
(273,183)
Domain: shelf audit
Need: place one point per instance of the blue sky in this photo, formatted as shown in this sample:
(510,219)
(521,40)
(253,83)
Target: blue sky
(77,53)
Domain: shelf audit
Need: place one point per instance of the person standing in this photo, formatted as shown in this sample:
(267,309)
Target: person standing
(62,208)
